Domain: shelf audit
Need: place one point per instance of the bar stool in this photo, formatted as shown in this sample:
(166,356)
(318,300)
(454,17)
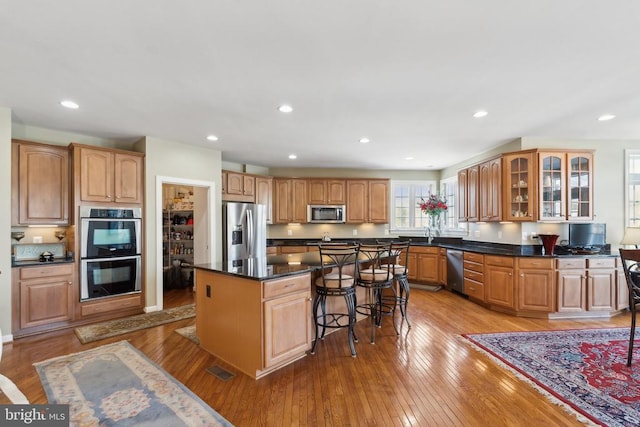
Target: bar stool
(375,280)
(397,263)
(336,281)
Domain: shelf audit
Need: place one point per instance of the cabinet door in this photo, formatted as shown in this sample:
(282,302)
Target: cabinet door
(299,200)
(248,185)
(264,195)
(357,191)
(282,201)
(601,288)
(572,291)
(96,175)
(223,182)
(235,183)
(490,190)
(43,185)
(287,327)
(622,296)
(129,178)
(428,267)
(552,185)
(336,192)
(580,186)
(462,195)
(412,267)
(317,191)
(378,202)
(499,286)
(442,267)
(473,183)
(46,301)
(535,290)
(518,188)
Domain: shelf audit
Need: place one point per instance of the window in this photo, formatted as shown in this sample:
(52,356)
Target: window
(448,188)
(405,211)
(632,195)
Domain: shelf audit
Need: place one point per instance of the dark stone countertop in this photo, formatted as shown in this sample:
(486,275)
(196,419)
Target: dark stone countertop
(37,263)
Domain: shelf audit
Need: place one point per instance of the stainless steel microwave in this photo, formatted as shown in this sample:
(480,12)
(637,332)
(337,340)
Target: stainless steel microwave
(326,214)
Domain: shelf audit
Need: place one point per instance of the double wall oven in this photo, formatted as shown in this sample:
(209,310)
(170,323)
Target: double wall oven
(110,251)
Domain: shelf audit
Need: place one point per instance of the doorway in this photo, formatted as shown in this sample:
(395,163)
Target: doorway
(184,208)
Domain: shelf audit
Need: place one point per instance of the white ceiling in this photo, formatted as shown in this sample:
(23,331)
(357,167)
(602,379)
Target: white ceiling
(406,74)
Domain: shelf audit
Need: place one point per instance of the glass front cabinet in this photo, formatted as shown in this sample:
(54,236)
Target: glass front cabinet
(565,182)
(519,186)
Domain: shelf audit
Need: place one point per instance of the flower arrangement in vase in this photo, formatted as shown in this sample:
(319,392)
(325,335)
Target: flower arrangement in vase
(434,206)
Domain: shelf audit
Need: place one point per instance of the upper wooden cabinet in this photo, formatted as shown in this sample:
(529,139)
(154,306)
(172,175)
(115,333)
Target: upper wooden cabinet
(518,193)
(264,194)
(290,200)
(40,184)
(367,201)
(565,182)
(238,187)
(490,190)
(468,194)
(326,191)
(109,176)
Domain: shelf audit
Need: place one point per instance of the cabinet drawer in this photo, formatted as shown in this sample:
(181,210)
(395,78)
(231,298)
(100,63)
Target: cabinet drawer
(473,266)
(287,285)
(472,256)
(111,304)
(474,289)
(536,263)
(292,249)
(424,249)
(562,264)
(601,263)
(500,261)
(48,271)
(272,250)
(473,275)
(443,252)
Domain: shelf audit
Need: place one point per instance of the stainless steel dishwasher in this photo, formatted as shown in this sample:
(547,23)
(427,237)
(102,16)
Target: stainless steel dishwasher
(455,266)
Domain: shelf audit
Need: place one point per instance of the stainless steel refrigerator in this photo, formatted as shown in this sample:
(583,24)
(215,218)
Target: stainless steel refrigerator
(244,230)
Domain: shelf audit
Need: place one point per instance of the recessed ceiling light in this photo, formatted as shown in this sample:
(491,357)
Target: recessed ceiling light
(408,158)
(285,108)
(69,104)
(293,156)
(365,140)
(479,114)
(605,117)
(212,138)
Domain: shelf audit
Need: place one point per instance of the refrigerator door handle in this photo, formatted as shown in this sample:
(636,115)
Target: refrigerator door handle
(250,233)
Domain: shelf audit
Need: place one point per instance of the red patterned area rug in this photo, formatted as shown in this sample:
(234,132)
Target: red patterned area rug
(582,369)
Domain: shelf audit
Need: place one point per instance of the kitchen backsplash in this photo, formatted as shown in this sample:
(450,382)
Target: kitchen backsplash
(32,251)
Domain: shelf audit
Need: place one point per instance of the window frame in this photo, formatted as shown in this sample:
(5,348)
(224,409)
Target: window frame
(431,184)
(631,220)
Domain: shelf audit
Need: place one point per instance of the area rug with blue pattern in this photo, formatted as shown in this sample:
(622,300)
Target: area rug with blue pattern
(117,385)
(582,369)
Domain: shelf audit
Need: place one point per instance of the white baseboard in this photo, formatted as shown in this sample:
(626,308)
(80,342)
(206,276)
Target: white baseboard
(151,308)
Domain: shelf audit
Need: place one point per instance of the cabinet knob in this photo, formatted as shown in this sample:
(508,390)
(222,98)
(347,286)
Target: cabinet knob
(521,274)
(69,283)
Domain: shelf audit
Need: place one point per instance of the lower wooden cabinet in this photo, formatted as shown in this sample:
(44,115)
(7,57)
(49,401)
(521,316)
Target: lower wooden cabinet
(442,266)
(500,280)
(42,298)
(588,284)
(256,326)
(535,285)
(424,264)
(473,275)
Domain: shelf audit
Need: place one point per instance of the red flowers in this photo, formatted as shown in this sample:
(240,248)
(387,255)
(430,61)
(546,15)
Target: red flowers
(434,205)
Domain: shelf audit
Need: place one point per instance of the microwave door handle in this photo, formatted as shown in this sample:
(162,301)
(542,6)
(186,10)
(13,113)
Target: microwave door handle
(249,240)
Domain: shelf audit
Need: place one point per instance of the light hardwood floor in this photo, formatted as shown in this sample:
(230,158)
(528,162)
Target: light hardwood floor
(427,376)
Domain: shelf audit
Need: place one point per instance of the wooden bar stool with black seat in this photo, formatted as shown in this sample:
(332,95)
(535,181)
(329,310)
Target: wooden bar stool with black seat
(397,262)
(375,280)
(631,264)
(340,266)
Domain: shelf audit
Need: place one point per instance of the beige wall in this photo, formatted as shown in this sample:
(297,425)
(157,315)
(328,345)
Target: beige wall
(5,222)
(175,160)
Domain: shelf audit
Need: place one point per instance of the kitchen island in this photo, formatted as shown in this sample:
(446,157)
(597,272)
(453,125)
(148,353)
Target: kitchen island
(255,314)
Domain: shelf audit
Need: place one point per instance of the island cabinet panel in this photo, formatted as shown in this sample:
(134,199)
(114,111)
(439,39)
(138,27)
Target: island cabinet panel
(255,326)
(500,280)
(40,184)
(535,285)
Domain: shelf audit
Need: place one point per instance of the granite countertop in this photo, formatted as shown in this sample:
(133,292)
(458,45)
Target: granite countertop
(270,267)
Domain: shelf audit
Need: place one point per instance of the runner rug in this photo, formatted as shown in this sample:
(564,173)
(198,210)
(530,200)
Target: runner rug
(116,327)
(582,369)
(117,385)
